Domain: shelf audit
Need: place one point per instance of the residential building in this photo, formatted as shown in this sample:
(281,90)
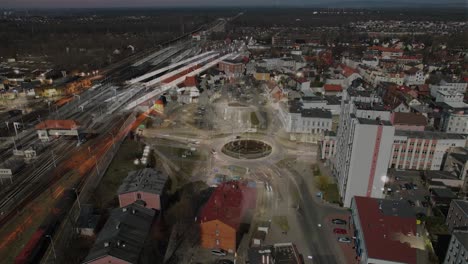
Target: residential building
(449,97)
(145,185)
(408,121)
(328,145)
(422,150)
(304,124)
(123,237)
(385,231)
(450,87)
(454,118)
(262,74)
(286,253)
(457,217)
(232,68)
(457,252)
(363,148)
(332,89)
(457,163)
(222,216)
(414,76)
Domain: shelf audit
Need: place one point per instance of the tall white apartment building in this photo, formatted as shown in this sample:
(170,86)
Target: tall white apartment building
(363,149)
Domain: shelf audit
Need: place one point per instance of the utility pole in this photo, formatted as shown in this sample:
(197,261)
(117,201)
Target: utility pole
(53,246)
(53,159)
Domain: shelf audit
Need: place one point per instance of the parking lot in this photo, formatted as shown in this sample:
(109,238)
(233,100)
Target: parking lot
(408,185)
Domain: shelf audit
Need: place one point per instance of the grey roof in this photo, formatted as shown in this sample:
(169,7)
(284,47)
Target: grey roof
(316,112)
(370,106)
(462,237)
(124,234)
(144,180)
(460,157)
(399,208)
(368,121)
(439,175)
(88,217)
(463,205)
(443,193)
(428,134)
(312,98)
(333,99)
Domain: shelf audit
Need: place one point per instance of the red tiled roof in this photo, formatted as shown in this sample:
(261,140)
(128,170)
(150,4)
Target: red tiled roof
(423,88)
(58,124)
(228,203)
(400,118)
(190,81)
(380,232)
(332,88)
(385,49)
(348,71)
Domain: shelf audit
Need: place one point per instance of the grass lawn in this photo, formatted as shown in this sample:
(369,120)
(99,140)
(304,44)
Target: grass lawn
(254,119)
(331,194)
(282,222)
(117,171)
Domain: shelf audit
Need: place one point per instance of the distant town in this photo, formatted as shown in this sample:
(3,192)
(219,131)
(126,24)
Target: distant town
(222,136)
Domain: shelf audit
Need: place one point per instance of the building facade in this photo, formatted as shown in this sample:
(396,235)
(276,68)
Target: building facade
(363,148)
(422,150)
(457,216)
(457,252)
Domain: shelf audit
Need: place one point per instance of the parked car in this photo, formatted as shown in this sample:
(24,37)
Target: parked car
(425,204)
(339,222)
(340,231)
(411,203)
(218,252)
(225,261)
(408,186)
(344,239)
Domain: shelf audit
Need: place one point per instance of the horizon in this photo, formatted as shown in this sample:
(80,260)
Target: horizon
(180,4)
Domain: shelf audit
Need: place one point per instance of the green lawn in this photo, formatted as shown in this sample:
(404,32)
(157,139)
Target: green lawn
(282,222)
(331,194)
(117,171)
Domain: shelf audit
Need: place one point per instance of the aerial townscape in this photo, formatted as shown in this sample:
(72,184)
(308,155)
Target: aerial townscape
(211,132)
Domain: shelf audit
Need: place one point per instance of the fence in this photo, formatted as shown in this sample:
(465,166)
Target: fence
(67,231)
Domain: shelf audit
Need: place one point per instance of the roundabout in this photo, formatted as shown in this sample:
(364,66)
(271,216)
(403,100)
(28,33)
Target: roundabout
(247,149)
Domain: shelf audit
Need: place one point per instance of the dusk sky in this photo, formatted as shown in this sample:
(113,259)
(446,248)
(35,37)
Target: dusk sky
(182,3)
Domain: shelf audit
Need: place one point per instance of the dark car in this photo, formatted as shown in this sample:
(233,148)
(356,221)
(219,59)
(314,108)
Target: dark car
(425,204)
(340,231)
(225,261)
(411,203)
(408,186)
(339,222)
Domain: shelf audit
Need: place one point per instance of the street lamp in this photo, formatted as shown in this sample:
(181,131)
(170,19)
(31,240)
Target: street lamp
(53,159)
(53,246)
(97,167)
(77,198)
(113,139)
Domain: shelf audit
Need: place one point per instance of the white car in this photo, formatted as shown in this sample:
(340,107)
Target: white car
(344,239)
(218,252)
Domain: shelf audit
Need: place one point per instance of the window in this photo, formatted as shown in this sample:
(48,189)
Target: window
(139,196)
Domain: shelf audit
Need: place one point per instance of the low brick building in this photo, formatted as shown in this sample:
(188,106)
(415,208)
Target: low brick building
(223,214)
(146,185)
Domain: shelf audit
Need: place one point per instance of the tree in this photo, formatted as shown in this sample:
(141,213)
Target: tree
(322,182)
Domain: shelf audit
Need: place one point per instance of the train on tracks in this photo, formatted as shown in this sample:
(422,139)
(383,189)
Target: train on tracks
(39,242)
